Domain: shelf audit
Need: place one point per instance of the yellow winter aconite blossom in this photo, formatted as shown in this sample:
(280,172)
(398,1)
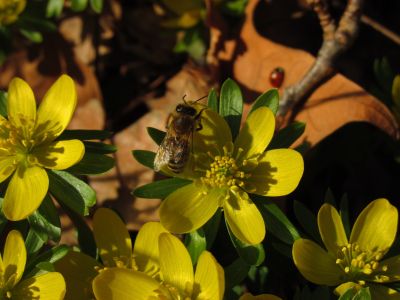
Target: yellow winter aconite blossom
(225,171)
(357,262)
(9,10)
(28,143)
(49,286)
(158,265)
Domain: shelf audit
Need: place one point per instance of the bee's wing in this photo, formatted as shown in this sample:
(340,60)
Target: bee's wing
(162,156)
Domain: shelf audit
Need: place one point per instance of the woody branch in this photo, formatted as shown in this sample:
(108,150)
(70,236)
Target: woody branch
(337,38)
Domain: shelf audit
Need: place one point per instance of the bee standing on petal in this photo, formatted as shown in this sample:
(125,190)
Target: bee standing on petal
(175,148)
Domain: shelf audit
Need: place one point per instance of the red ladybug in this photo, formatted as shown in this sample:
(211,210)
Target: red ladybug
(276,77)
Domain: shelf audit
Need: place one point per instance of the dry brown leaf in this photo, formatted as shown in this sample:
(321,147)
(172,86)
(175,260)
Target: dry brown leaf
(41,65)
(253,57)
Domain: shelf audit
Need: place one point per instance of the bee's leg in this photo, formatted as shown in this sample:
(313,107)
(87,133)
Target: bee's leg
(169,119)
(197,118)
(199,126)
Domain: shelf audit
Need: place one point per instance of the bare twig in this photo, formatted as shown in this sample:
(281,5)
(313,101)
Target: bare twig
(391,35)
(336,40)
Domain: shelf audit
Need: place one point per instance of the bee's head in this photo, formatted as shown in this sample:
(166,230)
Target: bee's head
(186,109)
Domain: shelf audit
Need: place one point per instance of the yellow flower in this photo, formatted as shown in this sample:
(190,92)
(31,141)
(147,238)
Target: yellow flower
(28,143)
(9,10)
(49,286)
(224,172)
(355,262)
(145,270)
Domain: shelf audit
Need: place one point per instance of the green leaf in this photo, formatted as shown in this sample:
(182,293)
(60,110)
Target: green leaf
(330,198)
(344,214)
(96,5)
(100,148)
(254,255)
(383,74)
(195,243)
(85,235)
(231,105)
(34,23)
(156,135)
(33,243)
(211,228)
(235,273)
(32,35)
(276,221)
(79,5)
(269,99)
(353,294)
(348,295)
(160,189)
(51,256)
(307,220)
(146,158)
(46,266)
(3,104)
(45,221)
(71,191)
(234,8)
(91,164)
(85,135)
(213,100)
(283,248)
(54,8)
(287,136)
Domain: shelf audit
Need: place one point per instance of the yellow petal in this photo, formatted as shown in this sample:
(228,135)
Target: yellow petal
(382,292)
(209,277)
(213,135)
(124,284)
(14,256)
(278,173)
(50,286)
(331,229)
(244,218)
(25,192)
(344,287)
(112,238)
(249,296)
(393,266)
(56,109)
(256,133)
(78,270)
(188,208)
(59,155)
(376,226)
(21,106)
(315,264)
(145,250)
(7,167)
(175,263)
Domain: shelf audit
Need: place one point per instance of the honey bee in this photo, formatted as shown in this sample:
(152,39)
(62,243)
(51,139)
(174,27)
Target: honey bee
(175,148)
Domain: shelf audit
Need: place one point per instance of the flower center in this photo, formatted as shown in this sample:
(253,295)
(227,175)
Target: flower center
(223,172)
(17,139)
(359,265)
(170,292)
